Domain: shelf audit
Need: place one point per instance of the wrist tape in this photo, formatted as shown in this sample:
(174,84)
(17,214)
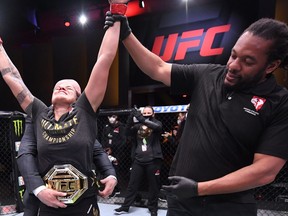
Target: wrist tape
(119,9)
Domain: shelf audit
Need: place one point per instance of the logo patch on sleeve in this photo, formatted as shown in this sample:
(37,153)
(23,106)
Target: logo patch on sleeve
(258,102)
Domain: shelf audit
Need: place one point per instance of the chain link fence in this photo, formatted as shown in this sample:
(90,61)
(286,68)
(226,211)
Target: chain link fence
(11,131)
(272,199)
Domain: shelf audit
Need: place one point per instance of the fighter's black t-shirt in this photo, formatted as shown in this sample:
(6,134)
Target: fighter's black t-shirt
(67,141)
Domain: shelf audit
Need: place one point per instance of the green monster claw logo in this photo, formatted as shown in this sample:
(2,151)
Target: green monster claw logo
(18,127)
(21,194)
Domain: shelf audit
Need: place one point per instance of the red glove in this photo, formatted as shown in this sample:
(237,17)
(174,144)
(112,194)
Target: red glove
(119,9)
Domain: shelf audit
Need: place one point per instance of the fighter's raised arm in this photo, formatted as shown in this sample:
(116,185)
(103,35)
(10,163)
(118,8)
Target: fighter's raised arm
(147,61)
(96,86)
(14,80)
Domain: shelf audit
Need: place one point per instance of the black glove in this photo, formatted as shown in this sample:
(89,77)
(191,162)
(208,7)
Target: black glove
(138,115)
(180,187)
(125,29)
(109,20)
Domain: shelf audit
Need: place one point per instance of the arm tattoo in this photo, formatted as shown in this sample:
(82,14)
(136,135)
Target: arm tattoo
(15,73)
(22,95)
(16,78)
(6,71)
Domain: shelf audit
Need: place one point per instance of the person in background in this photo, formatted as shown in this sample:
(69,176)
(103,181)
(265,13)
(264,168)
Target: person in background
(114,142)
(111,158)
(65,133)
(113,136)
(175,134)
(169,147)
(235,137)
(28,155)
(181,120)
(170,137)
(146,157)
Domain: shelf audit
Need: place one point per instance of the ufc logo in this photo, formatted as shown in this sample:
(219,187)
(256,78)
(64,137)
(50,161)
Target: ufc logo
(190,41)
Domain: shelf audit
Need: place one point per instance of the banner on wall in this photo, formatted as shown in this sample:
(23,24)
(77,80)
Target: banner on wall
(198,33)
(169,109)
(202,33)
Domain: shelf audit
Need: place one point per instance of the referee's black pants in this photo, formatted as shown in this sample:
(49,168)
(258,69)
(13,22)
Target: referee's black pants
(209,206)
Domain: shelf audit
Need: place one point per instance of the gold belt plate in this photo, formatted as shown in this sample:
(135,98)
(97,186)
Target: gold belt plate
(66,178)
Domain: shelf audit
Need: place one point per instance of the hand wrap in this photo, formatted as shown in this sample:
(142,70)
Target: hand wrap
(119,9)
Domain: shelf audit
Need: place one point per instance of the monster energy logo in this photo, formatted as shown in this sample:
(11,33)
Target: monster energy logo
(18,127)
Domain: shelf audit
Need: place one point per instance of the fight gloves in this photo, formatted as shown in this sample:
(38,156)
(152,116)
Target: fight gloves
(109,20)
(125,29)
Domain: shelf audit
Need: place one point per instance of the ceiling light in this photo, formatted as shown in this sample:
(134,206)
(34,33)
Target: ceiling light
(141,4)
(83,19)
(67,22)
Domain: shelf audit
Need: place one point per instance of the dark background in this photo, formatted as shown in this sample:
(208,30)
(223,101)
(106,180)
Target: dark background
(44,50)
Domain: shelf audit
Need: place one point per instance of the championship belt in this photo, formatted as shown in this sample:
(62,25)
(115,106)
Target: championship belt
(66,178)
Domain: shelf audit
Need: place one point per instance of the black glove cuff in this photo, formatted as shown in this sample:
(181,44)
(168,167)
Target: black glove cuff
(125,30)
(125,34)
(196,189)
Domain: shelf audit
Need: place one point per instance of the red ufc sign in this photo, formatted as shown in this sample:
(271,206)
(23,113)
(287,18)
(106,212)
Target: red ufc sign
(190,41)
